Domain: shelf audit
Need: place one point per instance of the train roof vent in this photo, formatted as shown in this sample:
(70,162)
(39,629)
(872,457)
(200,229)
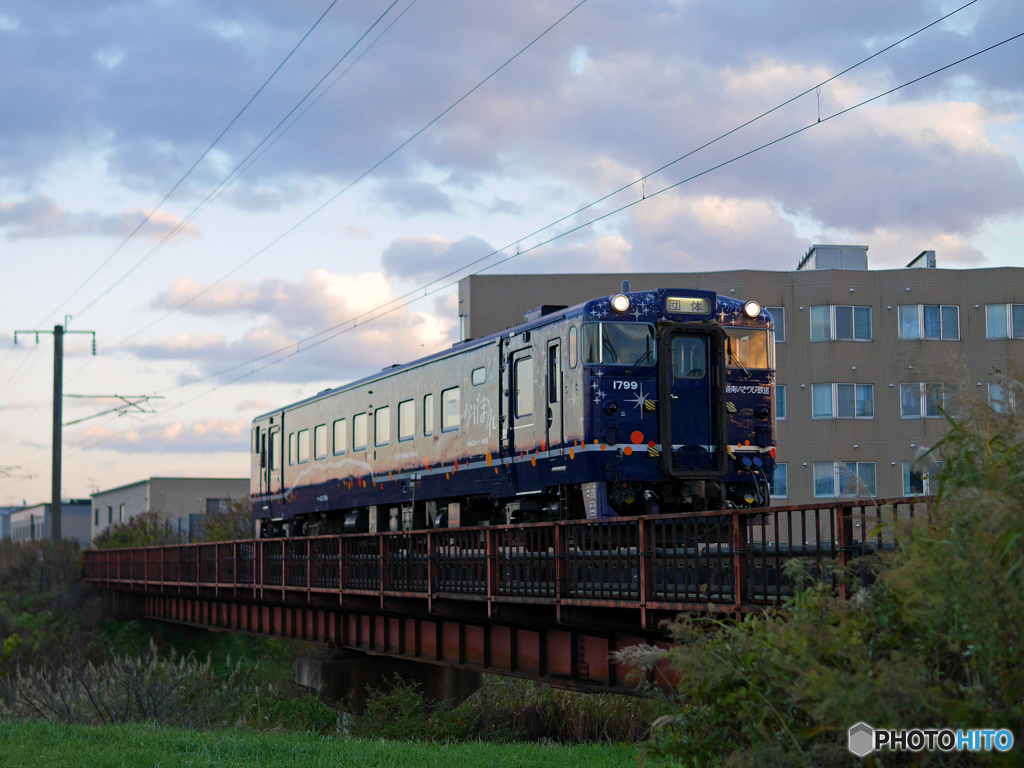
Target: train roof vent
(539,312)
(389,367)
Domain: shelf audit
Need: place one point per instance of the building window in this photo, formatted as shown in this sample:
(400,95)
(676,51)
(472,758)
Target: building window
(479,376)
(840,323)
(96,516)
(320,441)
(1000,397)
(382,426)
(780,481)
(110,515)
(450,409)
(428,414)
(844,478)
(843,401)
(406,420)
(780,402)
(918,482)
(930,321)
(303,446)
(293,449)
(927,400)
(359,431)
(779,317)
(217,506)
(1004,321)
(120,513)
(340,434)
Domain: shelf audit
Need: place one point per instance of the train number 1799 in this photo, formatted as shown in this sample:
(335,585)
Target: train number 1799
(624,385)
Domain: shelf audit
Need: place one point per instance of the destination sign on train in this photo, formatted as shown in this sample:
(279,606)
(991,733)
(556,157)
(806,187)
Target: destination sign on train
(689,305)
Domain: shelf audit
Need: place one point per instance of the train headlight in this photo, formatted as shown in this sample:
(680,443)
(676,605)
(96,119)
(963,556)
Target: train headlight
(751,309)
(620,302)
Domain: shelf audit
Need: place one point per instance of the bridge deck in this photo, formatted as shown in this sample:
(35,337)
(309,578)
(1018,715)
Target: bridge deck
(545,600)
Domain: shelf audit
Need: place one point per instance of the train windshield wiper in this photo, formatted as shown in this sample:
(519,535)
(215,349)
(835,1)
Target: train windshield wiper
(734,358)
(647,353)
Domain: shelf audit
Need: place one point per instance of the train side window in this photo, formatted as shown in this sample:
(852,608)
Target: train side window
(359,431)
(320,441)
(450,409)
(554,372)
(479,376)
(523,374)
(303,446)
(406,420)
(255,439)
(339,436)
(428,414)
(591,343)
(573,338)
(382,426)
(689,359)
(293,450)
(263,452)
(275,451)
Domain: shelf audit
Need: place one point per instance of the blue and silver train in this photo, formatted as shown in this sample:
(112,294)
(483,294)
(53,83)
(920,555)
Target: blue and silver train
(643,402)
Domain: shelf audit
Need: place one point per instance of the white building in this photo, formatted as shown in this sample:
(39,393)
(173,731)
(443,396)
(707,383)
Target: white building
(33,523)
(181,501)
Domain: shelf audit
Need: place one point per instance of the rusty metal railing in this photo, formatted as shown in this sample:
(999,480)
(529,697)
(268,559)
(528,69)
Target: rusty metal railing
(724,560)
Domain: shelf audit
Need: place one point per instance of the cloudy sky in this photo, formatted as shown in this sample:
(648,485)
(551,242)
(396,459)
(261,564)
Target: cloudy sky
(333,192)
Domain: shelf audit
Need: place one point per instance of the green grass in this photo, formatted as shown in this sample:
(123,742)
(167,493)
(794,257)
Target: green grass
(41,745)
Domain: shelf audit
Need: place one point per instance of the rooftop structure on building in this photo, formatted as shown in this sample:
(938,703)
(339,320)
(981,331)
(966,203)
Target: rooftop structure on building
(867,360)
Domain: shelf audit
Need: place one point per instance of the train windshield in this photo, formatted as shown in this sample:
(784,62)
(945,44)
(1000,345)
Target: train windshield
(619,344)
(749,348)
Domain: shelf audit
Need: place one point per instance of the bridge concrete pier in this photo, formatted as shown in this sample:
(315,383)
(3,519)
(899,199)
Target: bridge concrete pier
(345,675)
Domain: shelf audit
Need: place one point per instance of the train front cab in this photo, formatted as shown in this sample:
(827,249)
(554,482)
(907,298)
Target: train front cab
(715,399)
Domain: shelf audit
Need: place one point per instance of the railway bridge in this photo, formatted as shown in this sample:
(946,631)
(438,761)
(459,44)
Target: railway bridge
(545,601)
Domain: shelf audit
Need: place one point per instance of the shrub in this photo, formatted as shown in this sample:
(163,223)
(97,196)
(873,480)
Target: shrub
(162,688)
(505,709)
(144,530)
(20,563)
(935,640)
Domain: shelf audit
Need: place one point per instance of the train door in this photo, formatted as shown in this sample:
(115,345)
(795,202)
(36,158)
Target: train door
(553,382)
(690,422)
(523,402)
(275,463)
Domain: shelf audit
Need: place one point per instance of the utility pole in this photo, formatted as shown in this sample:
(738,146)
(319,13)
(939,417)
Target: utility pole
(58,395)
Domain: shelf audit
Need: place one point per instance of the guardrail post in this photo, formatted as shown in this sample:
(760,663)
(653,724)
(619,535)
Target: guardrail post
(309,567)
(844,540)
(431,568)
(561,555)
(342,570)
(739,560)
(491,541)
(645,549)
(384,581)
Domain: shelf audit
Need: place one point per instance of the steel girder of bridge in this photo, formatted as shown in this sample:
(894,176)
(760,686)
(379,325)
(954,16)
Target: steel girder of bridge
(547,601)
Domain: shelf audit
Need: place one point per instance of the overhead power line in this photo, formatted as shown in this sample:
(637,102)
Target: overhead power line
(180,181)
(581,226)
(420,291)
(351,184)
(558,236)
(210,194)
